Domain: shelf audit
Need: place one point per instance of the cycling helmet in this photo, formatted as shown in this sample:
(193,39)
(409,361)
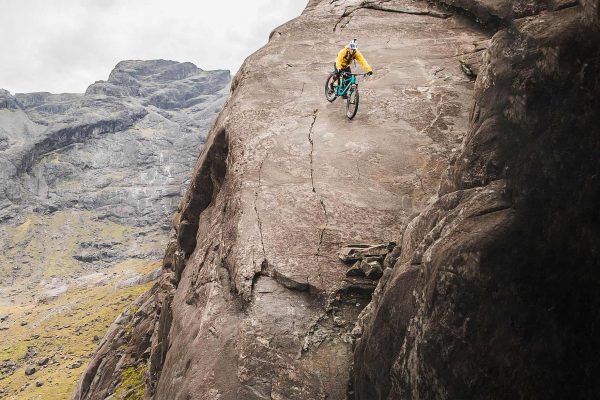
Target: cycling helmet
(353,45)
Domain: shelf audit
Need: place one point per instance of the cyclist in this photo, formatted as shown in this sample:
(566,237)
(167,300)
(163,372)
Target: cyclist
(345,58)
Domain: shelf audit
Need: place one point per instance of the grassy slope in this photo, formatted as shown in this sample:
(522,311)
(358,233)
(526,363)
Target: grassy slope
(63,331)
(36,254)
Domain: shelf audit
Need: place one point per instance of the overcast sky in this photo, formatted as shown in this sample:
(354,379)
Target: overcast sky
(65,45)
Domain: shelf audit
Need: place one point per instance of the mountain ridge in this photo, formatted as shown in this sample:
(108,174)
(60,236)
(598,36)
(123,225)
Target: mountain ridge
(88,184)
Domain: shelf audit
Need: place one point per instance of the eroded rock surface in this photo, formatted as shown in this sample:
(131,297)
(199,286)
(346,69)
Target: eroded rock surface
(494,293)
(254,302)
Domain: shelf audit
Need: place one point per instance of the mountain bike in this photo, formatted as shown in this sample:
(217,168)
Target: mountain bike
(348,88)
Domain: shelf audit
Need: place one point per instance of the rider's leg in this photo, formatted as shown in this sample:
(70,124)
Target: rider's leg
(348,71)
(334,87)
(337,75)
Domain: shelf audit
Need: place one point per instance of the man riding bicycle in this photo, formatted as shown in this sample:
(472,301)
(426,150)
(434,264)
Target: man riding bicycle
(345,58)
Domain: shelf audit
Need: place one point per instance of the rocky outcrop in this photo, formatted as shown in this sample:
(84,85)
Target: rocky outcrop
(493,294)
(141,105)
(117,158)
(254,302)
(489,292)
(88,185)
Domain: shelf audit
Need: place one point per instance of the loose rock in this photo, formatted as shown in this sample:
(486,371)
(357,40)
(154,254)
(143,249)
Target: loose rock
(372,269)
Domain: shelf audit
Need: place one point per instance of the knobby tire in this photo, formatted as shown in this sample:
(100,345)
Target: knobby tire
(330,95)
(352,108)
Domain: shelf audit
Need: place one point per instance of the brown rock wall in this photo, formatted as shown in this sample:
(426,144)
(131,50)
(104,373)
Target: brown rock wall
(502,304)
(493,291)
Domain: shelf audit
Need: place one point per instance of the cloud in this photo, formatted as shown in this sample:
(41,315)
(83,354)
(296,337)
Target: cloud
(65,45)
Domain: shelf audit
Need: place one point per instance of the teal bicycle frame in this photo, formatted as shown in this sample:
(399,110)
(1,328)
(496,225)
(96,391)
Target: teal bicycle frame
(345,83)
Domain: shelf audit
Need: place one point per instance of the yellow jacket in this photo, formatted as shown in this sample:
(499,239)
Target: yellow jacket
(344,59)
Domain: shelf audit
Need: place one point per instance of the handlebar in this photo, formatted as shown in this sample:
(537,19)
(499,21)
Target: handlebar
(347,74)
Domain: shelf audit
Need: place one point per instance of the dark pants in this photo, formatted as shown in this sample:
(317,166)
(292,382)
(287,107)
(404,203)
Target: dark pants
(340,71)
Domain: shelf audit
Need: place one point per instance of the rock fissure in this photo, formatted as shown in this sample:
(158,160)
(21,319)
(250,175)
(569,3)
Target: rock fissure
(312,148)
(492,210)
(258,219)
(426,12)
(346,16)
(322,234)
(205,188)
(265,270)
(321,201)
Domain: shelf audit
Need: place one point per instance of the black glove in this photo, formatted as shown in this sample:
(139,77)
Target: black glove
(369,73)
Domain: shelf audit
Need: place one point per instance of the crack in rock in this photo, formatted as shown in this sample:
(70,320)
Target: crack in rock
(412,11)
(287,282)
(312,180)
(378,7)
(259,221)
(321,202)
(324,228)
(264,271)
(312,147)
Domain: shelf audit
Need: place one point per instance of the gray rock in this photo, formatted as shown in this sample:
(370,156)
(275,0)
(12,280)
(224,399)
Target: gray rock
(30,370)
(355,270)
(75,365)
(30,353)
(118,155)
(354,252)
(371,269)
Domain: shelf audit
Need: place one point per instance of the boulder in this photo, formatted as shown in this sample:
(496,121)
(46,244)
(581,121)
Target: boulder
(372,269)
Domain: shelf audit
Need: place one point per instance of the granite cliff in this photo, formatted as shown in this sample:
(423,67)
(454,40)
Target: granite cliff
(473,159)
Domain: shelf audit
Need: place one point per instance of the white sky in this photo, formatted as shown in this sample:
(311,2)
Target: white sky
(65,45)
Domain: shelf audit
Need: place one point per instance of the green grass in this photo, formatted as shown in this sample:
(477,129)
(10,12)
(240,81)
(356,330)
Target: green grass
(64,331)
(48,242)
(132,383)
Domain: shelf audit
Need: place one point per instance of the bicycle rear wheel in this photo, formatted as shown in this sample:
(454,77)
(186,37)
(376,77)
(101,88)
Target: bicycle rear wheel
(331,88)
(352,102)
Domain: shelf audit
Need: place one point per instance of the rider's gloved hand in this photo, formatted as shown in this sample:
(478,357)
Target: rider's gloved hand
(369,73)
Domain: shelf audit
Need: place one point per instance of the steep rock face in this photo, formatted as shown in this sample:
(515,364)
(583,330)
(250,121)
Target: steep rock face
(494,294)
(254,302)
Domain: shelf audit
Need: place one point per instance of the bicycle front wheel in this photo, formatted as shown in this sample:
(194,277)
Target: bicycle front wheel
(331,88)
(352,100)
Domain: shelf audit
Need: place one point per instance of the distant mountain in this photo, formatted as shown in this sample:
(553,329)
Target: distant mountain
(88,185)
(120,153)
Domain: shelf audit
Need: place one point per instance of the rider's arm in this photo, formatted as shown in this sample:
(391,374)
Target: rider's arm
(361,60)
(340,58)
